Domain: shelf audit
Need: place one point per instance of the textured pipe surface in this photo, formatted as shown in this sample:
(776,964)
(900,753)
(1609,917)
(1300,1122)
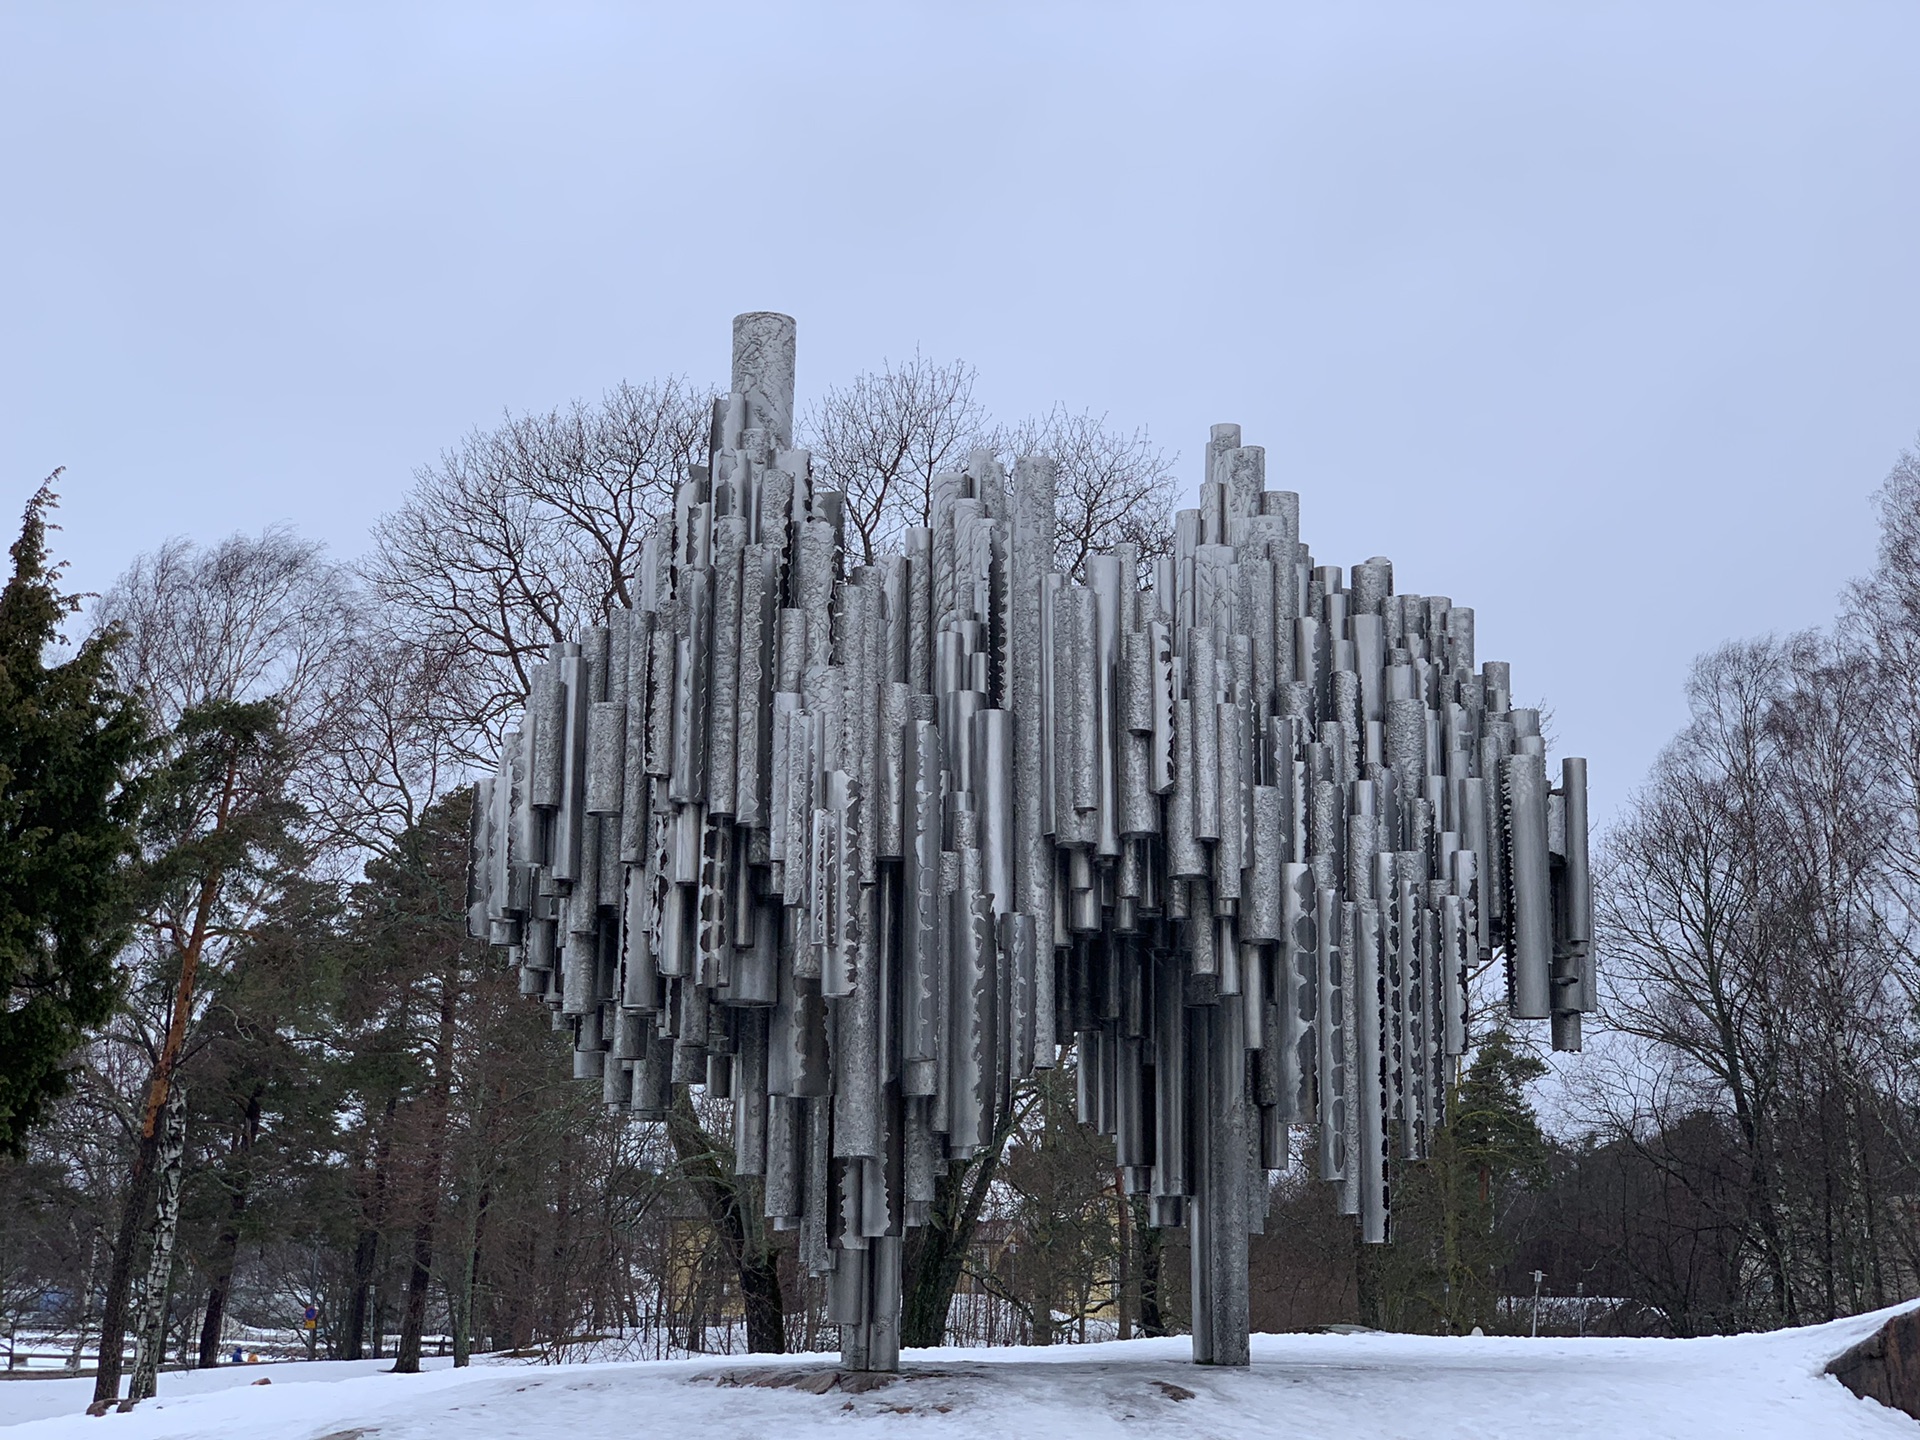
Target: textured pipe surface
(821,837)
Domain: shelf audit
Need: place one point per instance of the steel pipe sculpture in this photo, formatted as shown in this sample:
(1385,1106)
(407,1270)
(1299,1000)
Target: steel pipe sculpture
(863,848)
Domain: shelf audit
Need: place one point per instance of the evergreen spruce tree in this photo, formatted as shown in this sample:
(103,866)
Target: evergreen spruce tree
(69,739)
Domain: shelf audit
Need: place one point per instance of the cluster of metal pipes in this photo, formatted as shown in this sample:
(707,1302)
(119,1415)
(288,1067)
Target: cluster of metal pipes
(862,848)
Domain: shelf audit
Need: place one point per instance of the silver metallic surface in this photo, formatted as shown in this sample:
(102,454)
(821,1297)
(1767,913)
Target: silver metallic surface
(822,838)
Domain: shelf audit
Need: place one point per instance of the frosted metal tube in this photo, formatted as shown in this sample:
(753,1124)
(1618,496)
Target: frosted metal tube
(1203,696)
(545,722)
(1330,1022)
(1369,1023)
(1104,580)
(1161,773)
(691,694)
(573,755)
(1530,944)
(1579,886)
(763,370)
(606,757)
(1185,859)
(1261,917)
(729,536)
(753,715)
(993,799)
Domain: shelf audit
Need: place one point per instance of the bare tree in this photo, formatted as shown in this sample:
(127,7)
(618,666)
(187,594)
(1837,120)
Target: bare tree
(1113,488)
(1692,913)
(1754,932)
(232,650)
(881,438)
(1882,622)
(528,533)
(1060,1188)
(389,751)
(250,618)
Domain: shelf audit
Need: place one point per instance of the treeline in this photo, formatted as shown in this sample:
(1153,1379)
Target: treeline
(1762,912)
(275,1076)
(253,1066)
(1740,1147)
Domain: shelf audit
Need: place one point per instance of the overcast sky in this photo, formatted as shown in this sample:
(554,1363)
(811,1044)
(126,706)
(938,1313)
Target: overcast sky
(1600,318)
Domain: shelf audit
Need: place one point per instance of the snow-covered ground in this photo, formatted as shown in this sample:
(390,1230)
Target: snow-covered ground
(1343,1387)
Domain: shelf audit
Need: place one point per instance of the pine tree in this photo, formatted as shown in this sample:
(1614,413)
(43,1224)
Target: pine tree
(69,741)
(216,839)
(1450,1230)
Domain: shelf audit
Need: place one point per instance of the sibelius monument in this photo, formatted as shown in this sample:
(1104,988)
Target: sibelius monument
(862,849)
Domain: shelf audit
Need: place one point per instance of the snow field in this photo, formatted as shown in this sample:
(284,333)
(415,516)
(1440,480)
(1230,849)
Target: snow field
(1302,1387)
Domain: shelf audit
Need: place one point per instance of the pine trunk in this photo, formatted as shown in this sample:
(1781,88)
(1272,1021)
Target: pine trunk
(439,1097)
(366,1249)
(146,1155)
(227,1247)
(463,1273)
(413,1320)
(459,1311)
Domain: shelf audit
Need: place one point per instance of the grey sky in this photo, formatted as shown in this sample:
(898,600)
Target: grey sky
(1600,318)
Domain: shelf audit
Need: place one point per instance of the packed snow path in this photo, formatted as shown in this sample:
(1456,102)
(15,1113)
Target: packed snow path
(1342,1387)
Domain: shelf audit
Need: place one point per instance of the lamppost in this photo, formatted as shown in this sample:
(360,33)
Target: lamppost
(1538,1276)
